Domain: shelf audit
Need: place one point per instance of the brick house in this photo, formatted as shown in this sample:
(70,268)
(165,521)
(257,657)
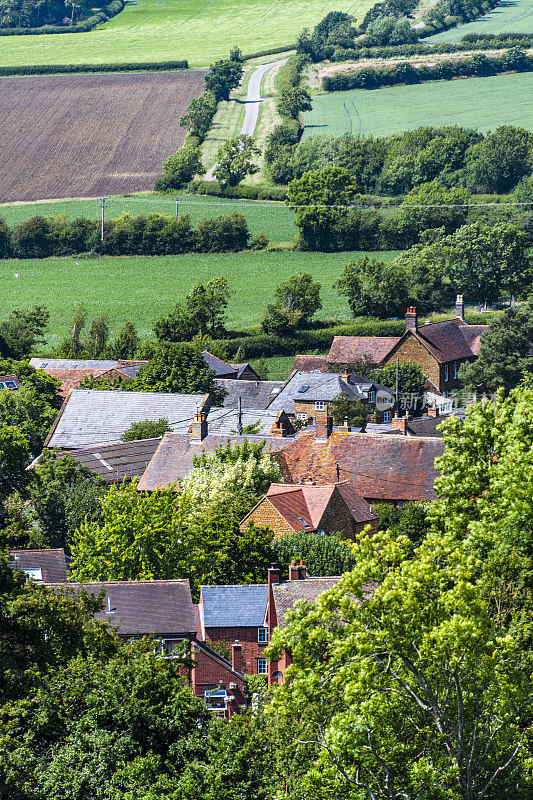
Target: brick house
(163,610)
(288,509)
(308,394)
(379,467)
(231,615)
(282,595)
(439,348)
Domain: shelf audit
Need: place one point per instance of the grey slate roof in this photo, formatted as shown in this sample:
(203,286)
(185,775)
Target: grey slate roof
(115,462)
(313,386)
(253,394)
(51,563)
(71,363)
(219,366)
(94,417)
(142,607)
(224,421)
(234,606)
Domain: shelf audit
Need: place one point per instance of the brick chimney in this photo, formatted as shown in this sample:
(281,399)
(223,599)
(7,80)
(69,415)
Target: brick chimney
(400,423)
(274,574)
(411,319)
(324,427)
(236,656)
(294,571)
(433,411)
(303,571)
(346,376)
(199,426)
(460,307)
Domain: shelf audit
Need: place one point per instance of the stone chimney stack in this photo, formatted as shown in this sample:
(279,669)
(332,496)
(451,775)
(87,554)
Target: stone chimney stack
(236,656)
(324,426)
(433,411)
(274,575)
(199,426)
(294,571)
(460,307)
(411,319)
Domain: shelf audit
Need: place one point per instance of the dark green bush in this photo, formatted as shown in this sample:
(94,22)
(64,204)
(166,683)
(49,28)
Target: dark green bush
(53,69)
(111,10)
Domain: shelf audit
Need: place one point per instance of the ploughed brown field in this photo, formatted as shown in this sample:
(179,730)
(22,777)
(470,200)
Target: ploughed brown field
(89,135)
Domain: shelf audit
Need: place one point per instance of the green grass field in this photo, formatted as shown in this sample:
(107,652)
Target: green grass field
(159,30)
(274,218)
(511,16)
(482,103)
(143,289)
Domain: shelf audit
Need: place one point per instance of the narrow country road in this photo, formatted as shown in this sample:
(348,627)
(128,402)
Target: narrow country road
(252,103)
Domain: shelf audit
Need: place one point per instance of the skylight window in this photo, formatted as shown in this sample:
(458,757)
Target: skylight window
(303,389)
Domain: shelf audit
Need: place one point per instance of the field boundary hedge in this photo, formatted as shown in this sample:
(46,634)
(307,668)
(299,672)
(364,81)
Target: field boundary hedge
(478,65)
(270,51)
(244,192)
(109,11)
(56,69)
(477,42)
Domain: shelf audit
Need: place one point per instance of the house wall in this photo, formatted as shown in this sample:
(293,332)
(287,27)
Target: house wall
(209,674)
(247,636)
(266,514)
(412,350)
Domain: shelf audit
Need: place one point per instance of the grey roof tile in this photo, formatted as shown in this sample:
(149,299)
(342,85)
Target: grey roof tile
(253,394)
(115,462)
(313,386)
(52,563)
(234,606)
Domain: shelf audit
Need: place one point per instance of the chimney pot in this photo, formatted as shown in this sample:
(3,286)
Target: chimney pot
(294,571)
(460,306)
(346,376)
(411,319)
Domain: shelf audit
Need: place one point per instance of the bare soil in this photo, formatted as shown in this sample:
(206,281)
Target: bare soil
(89,135)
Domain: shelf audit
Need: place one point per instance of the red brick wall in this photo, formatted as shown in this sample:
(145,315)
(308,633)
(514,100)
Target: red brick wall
(247,636)
(266,515)
(209,674)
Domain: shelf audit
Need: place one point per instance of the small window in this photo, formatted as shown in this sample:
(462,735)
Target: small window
(11,385)
(446,372)
(215,700)
(371,396)
(303,389)
(262,635)
(169,647)
(387,416)
(35,573)
(262,666)
(455,369)
(301,415)
(320,405)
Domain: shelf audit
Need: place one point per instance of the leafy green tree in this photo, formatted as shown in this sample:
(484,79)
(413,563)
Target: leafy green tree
(62,494)
(126,342)
(504,358)
(431,205)
(148,429)
(71,347)
(411,383)
(223,76)
(374,287)
(410,520)
(31,238)
(202,313)
(235,160)
(321,200)
(95,342)
(177,368)
(24,330)
(162,535)
(34,407)
(405,680)
(180,168)
(14,458)
(388,30)
(200,113)
(230,479)
(292,100)
(322,554)
(500,161)
(344,408)
(295,301)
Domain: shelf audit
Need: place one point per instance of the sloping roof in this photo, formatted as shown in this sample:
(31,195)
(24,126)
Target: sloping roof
(218,366)
(253,394)
(48,364)
(114,462)
(73,371)
(309,589)
(313,386)
(52,563)
(94,417)
(224,421)
(142,607)
(305,363)
(379,467)
(173,458)
(449,341)
(234,606)
(303,506)
(345,349)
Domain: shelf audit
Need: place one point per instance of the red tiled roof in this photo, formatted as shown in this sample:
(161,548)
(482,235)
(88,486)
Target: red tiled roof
(304,363)
(306,504)
(449,341)
(380,467)
(71,378)
(345,349)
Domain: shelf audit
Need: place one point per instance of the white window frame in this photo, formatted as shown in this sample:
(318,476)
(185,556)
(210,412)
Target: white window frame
(209,696)
(301,415)
(320,405)
(262,666)
(387,415)
(446,372)
(262,635)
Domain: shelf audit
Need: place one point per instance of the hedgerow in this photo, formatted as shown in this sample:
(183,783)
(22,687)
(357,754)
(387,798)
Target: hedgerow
(111,10)
(54,69)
